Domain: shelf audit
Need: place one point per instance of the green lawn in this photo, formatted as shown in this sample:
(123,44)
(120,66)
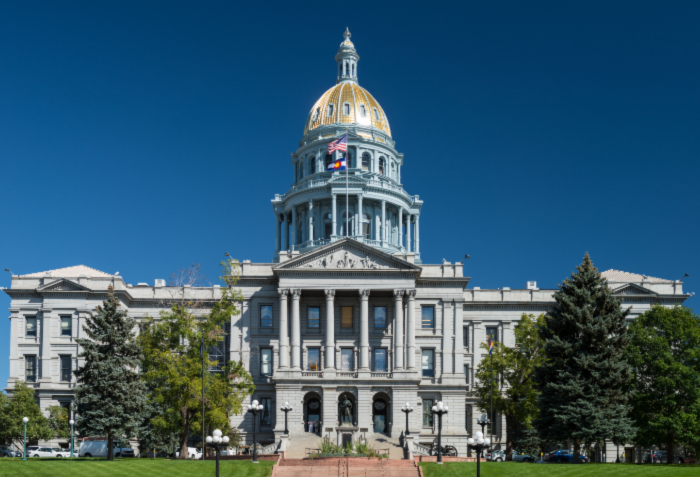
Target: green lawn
(46,467)
(518,469)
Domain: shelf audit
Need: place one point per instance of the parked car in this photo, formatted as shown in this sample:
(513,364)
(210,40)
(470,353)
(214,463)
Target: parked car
(687,460)
(38,451)
(660,456)
(6,451)
(496,456)
(565,455)
(517,457)
(99,449)
(192,453)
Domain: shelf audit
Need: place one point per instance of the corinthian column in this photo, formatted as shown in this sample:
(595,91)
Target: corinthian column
(330,329)
(296,331)
(284,328)
(364,330)
(411,330)
(398,328)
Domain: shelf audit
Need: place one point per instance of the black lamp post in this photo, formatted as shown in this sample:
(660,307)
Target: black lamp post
(285,409)
(255,408)
(439,409)
(407,409)
(480,443)
(217,442)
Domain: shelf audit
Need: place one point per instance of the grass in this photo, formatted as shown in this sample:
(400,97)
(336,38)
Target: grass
(47,467)
(518,469)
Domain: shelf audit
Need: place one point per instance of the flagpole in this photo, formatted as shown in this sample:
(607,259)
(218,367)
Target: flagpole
(347,197)
(491,360)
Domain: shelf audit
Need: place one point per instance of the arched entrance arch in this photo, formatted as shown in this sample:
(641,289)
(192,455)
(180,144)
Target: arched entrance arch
(381,413)
(347,415)
(313,412)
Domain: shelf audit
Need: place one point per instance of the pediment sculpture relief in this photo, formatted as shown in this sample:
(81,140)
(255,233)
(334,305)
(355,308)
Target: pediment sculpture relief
(345,260)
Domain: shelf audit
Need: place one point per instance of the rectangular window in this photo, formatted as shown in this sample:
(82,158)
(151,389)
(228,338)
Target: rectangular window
(380,317)
(66,371)
(330,110)
(466,373)
(428,317)
(491,334)
(468,415)
(266,316)
(427,413)
(428,362)
(346,317)
(266,362)
(380,364)
(363,110)
(266,416)
(66,326)
(314,317)
(31,326)
(30,368)
(314,359)
(346,360)
(346,109)
(465,337)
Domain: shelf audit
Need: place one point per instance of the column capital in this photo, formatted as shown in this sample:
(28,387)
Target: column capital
(411,293)
(330,293)
(296,293)
(283,292)
(364,294)
(398,293)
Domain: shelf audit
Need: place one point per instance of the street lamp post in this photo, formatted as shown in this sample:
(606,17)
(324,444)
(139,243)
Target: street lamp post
(439,409)
(479,444)
(71,422)
(406,409)
(217,442)
(255,408)
(285,409)
(24,454)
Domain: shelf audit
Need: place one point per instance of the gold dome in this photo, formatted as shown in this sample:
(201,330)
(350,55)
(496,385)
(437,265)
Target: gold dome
(363,108)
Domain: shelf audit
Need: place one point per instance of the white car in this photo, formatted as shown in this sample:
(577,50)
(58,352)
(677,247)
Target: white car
(496,456)
(99,449)
(38,451)
(192,453)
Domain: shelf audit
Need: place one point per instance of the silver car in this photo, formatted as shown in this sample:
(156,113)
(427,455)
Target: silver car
(520,457)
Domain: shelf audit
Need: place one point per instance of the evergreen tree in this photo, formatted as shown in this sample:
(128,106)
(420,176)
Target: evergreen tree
(110,396)
(585,379)
(665,355)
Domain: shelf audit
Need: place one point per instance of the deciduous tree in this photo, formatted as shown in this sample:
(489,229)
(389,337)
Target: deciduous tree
(584,381)
(14,408)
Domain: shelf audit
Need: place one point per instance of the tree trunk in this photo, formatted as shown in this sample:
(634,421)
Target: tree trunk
(577,451)
(184,451)
(110,445)
(670,441)
(509,437)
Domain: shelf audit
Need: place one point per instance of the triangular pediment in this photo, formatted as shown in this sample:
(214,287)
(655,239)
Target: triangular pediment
(632,289)
(347,254)
(62,285)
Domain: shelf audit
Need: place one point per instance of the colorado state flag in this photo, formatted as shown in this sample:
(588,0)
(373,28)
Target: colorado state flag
(338,165)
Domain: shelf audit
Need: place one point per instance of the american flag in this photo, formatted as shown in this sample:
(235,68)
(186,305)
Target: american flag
(339,145)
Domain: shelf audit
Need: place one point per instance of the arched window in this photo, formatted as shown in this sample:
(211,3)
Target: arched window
(393,171)
(312,165)
(329,113)
(382,165)
(353,69)
(365,162)
(346,109)
(317,111)
(328,161)
(363,110)
(365,225)
(376,114)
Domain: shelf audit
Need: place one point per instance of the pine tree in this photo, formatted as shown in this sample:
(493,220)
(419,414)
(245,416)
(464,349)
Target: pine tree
(585,380)
(110,396)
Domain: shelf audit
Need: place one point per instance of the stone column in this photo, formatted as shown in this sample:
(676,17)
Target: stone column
(408,233)
(459,337)
(296,330)
(364,330)
(311,219)
(447,334)
(330,329)
(284,329)
(398,328)
(383,222)
(359,214)
(334,197)
(294,226)
(43,368)
(285,231)
(400,226)
(417,234)
(278,242)
(411,330)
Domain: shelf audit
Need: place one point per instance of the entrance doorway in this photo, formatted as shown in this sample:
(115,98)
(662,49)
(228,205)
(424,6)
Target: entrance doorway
(379,415)
(312,416)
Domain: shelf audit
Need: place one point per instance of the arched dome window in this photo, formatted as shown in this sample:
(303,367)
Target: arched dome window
(328,161)
(363,110)
(365,162)
(330,111)
(382,165)
(312,165)
(376,114)
(317,111)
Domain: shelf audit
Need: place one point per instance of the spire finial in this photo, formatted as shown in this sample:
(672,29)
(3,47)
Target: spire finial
(347,33)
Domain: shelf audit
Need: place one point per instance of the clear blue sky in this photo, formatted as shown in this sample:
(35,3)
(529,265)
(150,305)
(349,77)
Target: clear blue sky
(141,137)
